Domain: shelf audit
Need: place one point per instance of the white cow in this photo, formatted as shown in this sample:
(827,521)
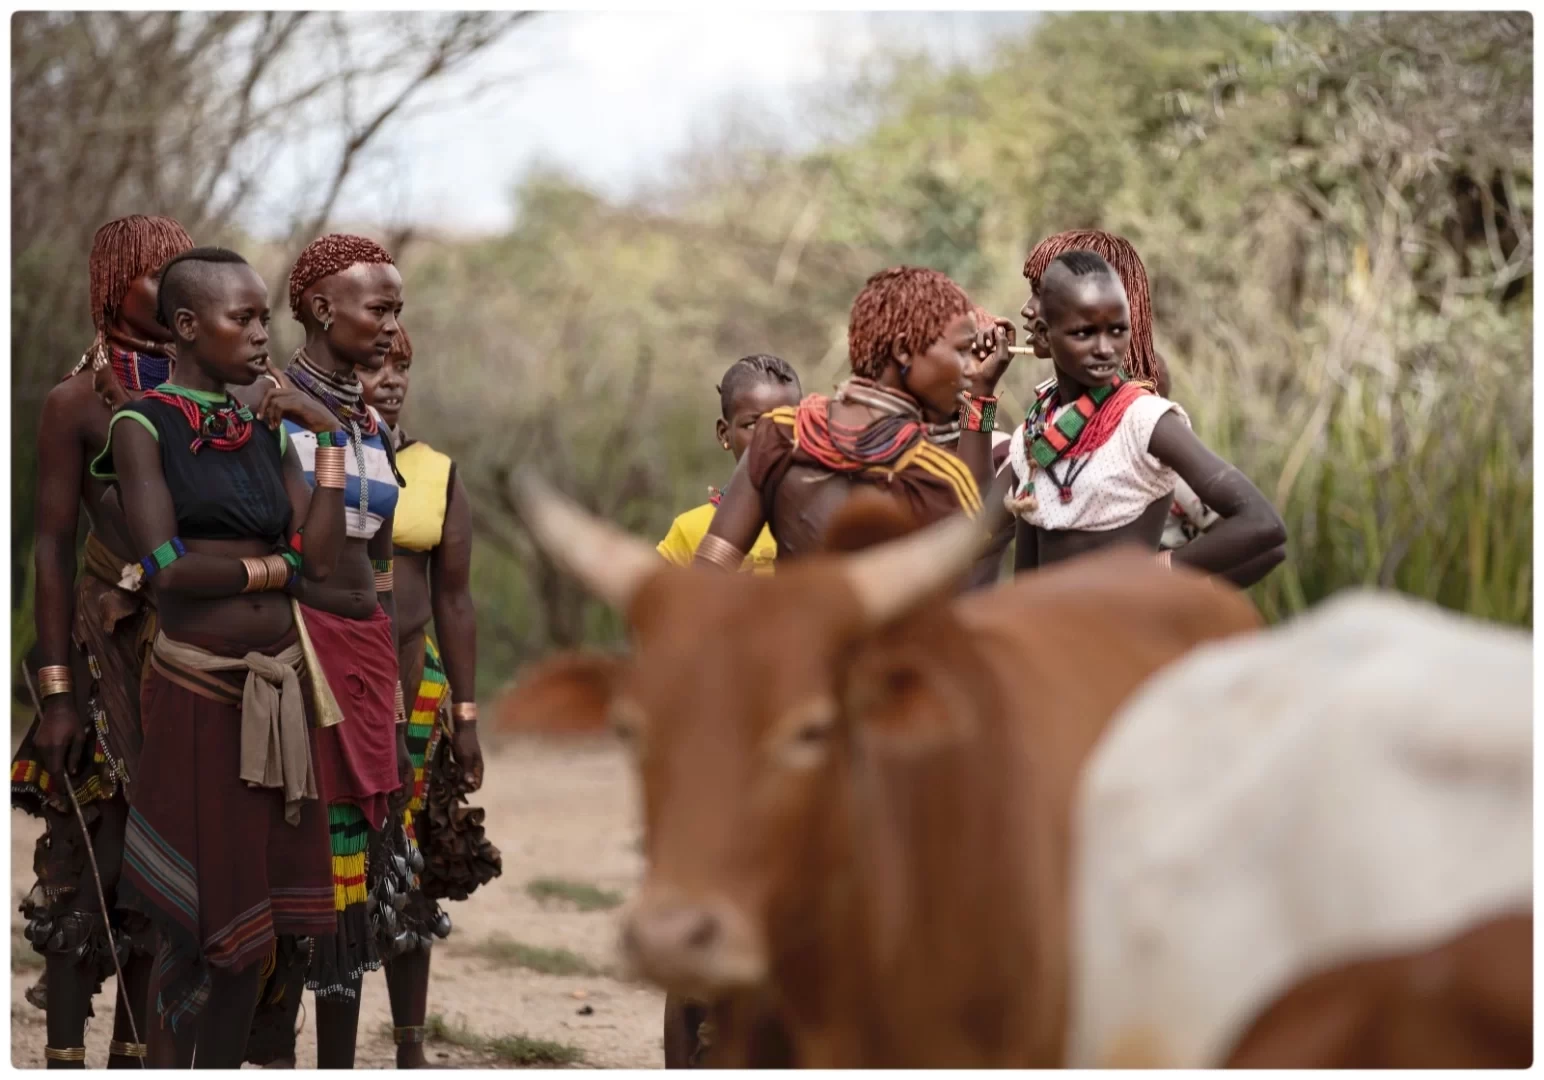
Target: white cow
(1357,780)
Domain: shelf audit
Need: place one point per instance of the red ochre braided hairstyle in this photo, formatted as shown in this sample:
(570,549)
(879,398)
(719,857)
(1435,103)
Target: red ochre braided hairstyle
(125,249)
(903,300)
(1141,358)
(401,345)
(329,255)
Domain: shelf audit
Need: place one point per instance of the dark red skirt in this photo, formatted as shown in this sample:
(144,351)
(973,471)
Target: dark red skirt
(356,769)
(211,861)
(356,761)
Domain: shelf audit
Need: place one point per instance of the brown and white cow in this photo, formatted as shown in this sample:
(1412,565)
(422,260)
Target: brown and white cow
(857,789)
(1313,847)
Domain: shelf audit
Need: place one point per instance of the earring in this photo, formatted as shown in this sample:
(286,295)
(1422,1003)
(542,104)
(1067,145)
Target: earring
(326,325)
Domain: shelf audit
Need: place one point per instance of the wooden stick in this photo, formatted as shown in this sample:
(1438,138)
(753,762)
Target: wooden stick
(1021,350)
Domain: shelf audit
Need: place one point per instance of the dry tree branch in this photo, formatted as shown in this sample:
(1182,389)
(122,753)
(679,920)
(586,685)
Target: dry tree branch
(798,236)
(265,53)
(1519,268)
(1515,215)
(1498,259)
(459,43)
(216,27)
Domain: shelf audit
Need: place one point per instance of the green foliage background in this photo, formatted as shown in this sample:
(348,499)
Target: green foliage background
(1335,211)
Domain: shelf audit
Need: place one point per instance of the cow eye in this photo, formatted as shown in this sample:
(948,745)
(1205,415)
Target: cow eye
(627,720)
(814,730)
(806,732)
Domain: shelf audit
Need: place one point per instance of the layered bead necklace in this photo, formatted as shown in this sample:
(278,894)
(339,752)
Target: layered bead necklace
(140,371)
(844,448)
(344,396)
(217,421)
(863,391)
(138,365)
(1052,435)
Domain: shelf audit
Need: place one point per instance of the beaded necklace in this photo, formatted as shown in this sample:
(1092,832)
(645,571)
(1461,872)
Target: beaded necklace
(1069,440)
(140,371)
(344,398)
(217,421)
(850,448)
(344,395)
(139,365)
(896,403)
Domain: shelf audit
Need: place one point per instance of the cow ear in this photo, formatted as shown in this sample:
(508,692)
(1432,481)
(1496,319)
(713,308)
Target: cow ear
(567,693)
(902,705)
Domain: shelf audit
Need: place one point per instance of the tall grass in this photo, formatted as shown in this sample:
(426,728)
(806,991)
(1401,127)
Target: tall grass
(1400,458)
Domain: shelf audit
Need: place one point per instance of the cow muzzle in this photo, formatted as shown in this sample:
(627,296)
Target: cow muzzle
(694,946)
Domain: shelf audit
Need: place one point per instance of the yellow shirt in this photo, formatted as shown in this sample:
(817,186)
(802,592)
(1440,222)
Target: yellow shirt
(687,531)
(420,515)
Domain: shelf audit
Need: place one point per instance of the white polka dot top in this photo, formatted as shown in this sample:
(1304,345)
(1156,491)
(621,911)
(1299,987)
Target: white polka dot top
(1120,480)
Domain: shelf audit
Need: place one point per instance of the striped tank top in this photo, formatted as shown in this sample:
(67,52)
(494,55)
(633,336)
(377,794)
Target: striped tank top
(380,484)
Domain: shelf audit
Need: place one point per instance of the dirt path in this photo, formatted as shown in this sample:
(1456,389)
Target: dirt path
(555,811)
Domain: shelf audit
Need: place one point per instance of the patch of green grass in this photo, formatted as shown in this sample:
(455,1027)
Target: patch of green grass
(524,1050)
(508,1049)
(582,896)
(505,950)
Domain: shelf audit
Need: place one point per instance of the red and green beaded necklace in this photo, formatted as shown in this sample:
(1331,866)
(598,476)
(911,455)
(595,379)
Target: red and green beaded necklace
(217,420)
(1048,442)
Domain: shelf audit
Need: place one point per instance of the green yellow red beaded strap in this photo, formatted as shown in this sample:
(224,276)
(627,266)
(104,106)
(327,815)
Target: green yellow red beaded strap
(1059,436)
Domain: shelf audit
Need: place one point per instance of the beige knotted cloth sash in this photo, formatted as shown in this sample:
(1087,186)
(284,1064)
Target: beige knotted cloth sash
(275,744)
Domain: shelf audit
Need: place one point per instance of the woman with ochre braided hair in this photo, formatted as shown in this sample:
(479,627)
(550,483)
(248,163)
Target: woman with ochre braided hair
(94,631)
(914,343)
(911,341)
(347,294)
(226,845)
(1187,517)
(1098,457)
(450,855)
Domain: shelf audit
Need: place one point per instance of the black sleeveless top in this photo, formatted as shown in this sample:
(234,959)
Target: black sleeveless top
(217,494)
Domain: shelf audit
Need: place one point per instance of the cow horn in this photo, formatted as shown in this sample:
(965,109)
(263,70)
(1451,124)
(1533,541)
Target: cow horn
(607,561)
(890,578)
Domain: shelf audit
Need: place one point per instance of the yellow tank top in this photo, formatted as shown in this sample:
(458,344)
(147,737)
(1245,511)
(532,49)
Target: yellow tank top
(687,531)
(421,505)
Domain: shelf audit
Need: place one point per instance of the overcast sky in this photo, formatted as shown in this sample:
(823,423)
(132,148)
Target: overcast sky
(612,96)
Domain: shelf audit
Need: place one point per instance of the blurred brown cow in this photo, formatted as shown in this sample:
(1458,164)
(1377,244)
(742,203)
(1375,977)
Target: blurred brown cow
(857,787)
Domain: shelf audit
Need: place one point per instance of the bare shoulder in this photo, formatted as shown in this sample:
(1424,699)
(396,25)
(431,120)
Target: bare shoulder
(1169,431)
(73,406)
(72,391)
